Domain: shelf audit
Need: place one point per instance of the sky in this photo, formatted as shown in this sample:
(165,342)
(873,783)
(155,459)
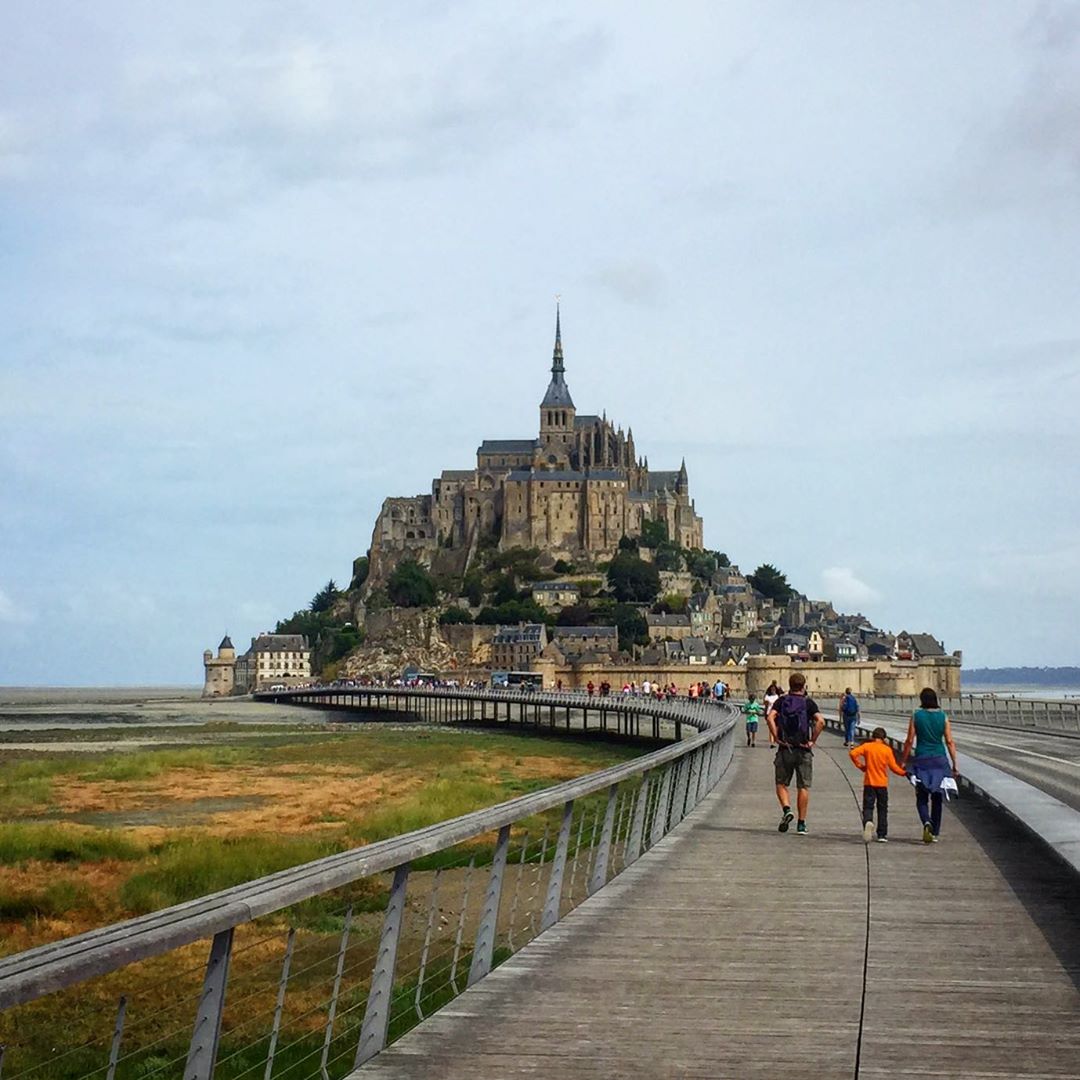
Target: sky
(265,264)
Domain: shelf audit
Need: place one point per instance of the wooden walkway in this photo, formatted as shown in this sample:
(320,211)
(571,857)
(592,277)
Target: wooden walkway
(734,951)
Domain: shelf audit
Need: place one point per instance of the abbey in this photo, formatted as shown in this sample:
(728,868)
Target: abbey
(574,491)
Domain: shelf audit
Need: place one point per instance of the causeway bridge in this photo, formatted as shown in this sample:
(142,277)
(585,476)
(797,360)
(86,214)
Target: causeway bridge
(647,920)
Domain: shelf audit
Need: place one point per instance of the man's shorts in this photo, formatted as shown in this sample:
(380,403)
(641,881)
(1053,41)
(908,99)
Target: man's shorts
(797,763)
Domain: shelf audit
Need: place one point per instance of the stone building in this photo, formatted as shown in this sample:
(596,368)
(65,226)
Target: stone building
(555,595)
(272,660)
(514,648)
(573,491)
(220,671)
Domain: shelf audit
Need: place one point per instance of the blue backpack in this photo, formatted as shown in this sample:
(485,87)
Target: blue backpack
(851,705)
(793,720)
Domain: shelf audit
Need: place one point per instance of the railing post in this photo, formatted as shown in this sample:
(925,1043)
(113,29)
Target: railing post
(659,821)
(637,829)
(377,1013)
(603,853)
(558,866)
(678,811)
(202,1054)
(484,948)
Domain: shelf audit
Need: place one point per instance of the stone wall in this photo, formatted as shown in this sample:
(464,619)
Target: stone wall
(866,679)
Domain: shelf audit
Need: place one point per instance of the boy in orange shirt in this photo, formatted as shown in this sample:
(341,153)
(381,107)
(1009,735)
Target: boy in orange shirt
(875,759)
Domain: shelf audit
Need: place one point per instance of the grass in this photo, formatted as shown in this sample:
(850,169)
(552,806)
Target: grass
(317,794)
(21,843)
(193,866)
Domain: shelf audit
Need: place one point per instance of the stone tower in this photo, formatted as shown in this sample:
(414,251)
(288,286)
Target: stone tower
(557,412)
(220,670)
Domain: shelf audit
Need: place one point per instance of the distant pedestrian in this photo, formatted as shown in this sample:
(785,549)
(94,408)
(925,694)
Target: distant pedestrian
(876,760)
(752,711)
(930,733)
(795,722)
(590,688)
(849,715)
(772,695)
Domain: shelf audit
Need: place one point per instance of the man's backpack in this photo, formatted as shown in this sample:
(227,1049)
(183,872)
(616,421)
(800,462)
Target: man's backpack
(851,705)
(793,720)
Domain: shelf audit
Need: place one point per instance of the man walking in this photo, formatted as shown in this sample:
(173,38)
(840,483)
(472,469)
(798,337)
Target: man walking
(795,722)
(849,715)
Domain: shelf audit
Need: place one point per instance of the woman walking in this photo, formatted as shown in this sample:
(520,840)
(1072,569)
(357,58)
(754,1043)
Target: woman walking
(930,734)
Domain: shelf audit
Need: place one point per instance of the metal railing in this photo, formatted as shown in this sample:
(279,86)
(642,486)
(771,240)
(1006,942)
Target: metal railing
(313,970)
(1036,714)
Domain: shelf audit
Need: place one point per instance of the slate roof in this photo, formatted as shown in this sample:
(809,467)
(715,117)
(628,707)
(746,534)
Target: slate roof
(926,645)
(558,393)
(667,620)
(225,643)
(586,421)
(275,643)
(527,634)
(584,631)
(555,586)
(508,446)
(458,474)
(658,481)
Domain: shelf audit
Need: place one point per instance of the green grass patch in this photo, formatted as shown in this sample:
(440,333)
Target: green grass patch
(192,866)
(64,844)
(57,898)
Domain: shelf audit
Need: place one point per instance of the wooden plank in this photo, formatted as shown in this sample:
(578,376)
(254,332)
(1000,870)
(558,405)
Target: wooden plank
(730,950)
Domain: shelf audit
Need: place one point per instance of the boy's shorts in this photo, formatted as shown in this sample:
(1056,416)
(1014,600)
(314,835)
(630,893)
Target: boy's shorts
(751,725)
(794,762)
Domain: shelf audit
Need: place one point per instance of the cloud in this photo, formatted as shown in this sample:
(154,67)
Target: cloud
(632,282)
(10,612)
(844,588)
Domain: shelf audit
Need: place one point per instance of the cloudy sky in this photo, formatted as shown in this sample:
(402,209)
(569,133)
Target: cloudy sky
(264,264)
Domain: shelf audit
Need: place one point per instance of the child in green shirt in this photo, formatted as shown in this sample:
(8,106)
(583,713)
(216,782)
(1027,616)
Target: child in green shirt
(751,710)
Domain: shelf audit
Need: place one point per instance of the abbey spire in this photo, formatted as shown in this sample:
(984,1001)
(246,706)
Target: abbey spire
(558,393)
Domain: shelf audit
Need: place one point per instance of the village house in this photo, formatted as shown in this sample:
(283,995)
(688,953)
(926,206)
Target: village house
(513,648)
(555,595)
(662,627)
(580,639)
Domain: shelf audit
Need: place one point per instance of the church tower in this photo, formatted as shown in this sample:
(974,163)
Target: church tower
(556,411)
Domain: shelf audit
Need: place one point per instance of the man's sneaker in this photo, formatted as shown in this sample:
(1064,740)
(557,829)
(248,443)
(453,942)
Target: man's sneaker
(927,833)
(934,841)
(800,829)
(785,821)
(868,832)
(882,839)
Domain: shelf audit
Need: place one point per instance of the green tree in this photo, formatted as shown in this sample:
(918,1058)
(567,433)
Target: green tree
(472,588)
(633,630)
(722,560)
(410,585)
(628,543)
(671,604)
(563,567)
(668,556)
(504,588)
(454,615)
(575,615)
(360,568)
(633,579)
(771,583)
(653,532)
(702,564)
(325,597)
